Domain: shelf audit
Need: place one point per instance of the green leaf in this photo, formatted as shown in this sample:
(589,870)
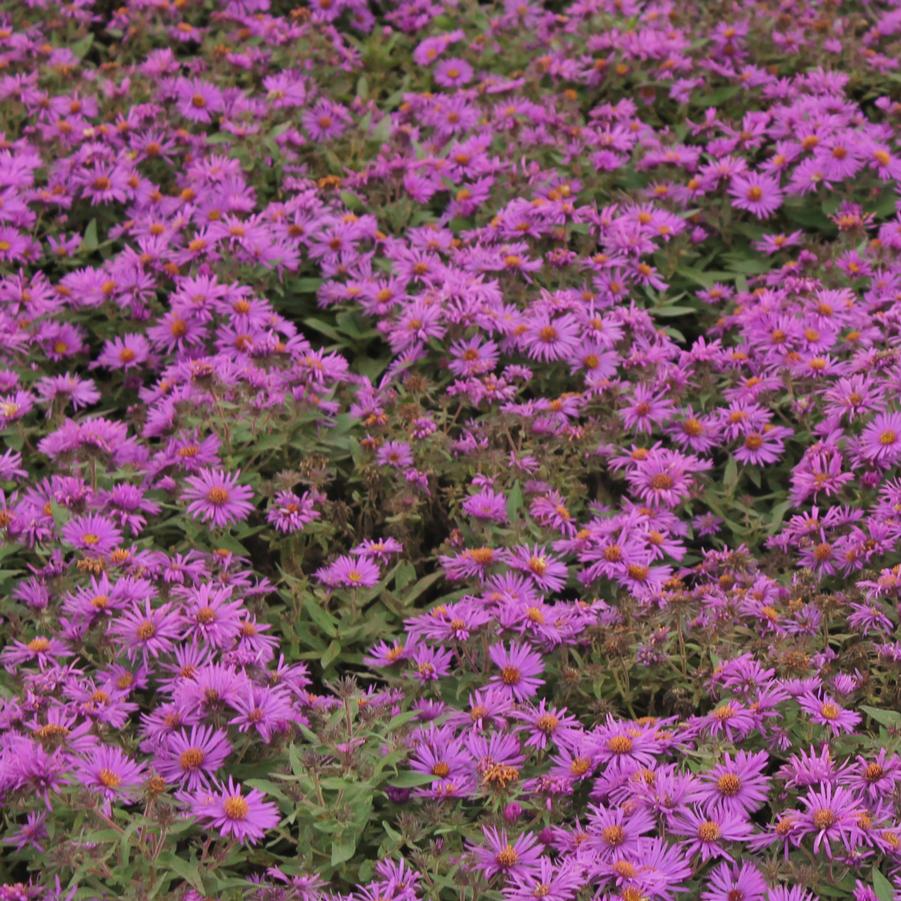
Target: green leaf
(514,501)
(422,586)
(331,653)
(185,869)
(343,848)
(883,888)
(888,718)
(777,516)
(82,47)
(90,241)
(324,328)
(320,615)
(730,476)
(674,310)
(411,779)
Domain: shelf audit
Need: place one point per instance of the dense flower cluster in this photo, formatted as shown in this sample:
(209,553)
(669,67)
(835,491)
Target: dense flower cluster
(450,450)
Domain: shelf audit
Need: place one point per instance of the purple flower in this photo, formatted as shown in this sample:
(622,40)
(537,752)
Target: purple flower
(831,814)
(738,784)
(191,758)
(758,194)
(290,513)
(244,816)
(708,833)
(824,711)
(216,497)
(92,534)
(519,669)
(111,773)
(515,859)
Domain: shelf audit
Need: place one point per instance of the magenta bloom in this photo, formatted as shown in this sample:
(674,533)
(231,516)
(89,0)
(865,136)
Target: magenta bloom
(760,195)
(546,571)
(127,352)
(92,534)
(290,513)
(452,73)
(212,616)
(244,817)
(350,572)
(708,833)
(519,670)
(190,759)
(487,505)
(738,784)
(663,478)
(831,814)
(146,631)
(824,711)
(395,453)
(517,859)
(216,497)
(881,439)
(111,773)
(731,881)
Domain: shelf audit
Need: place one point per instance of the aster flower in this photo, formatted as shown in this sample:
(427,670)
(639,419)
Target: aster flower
(290,513)
(831,814)
(110,773)
(350,572)
(519,669)
(738,784)
(147,631)
(487,505)
(708,833)
(211,616)
(519,858)
(92,534)
(729,882)
(215,497)
(191,758)
(453,73)
(548,573)
(552,881)
(758,194)
(243,815)
(824,711)
(881,439)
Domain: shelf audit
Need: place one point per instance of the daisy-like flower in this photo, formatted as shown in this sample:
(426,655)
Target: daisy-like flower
(738,784)
(831,814)
(519,670)
(517,858)
(548,573)
(708,833)
(211,615)
(215,497)
(127,352)
(290,513)
(111,773)
(92,534)
(551,882)
(190,758)
(487,505)
(824,711)
(881,440)
(244,816)
(146,631)
(663,477)
(453,73)
(265,710)
(731,882)
(350,572)
(759,194)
